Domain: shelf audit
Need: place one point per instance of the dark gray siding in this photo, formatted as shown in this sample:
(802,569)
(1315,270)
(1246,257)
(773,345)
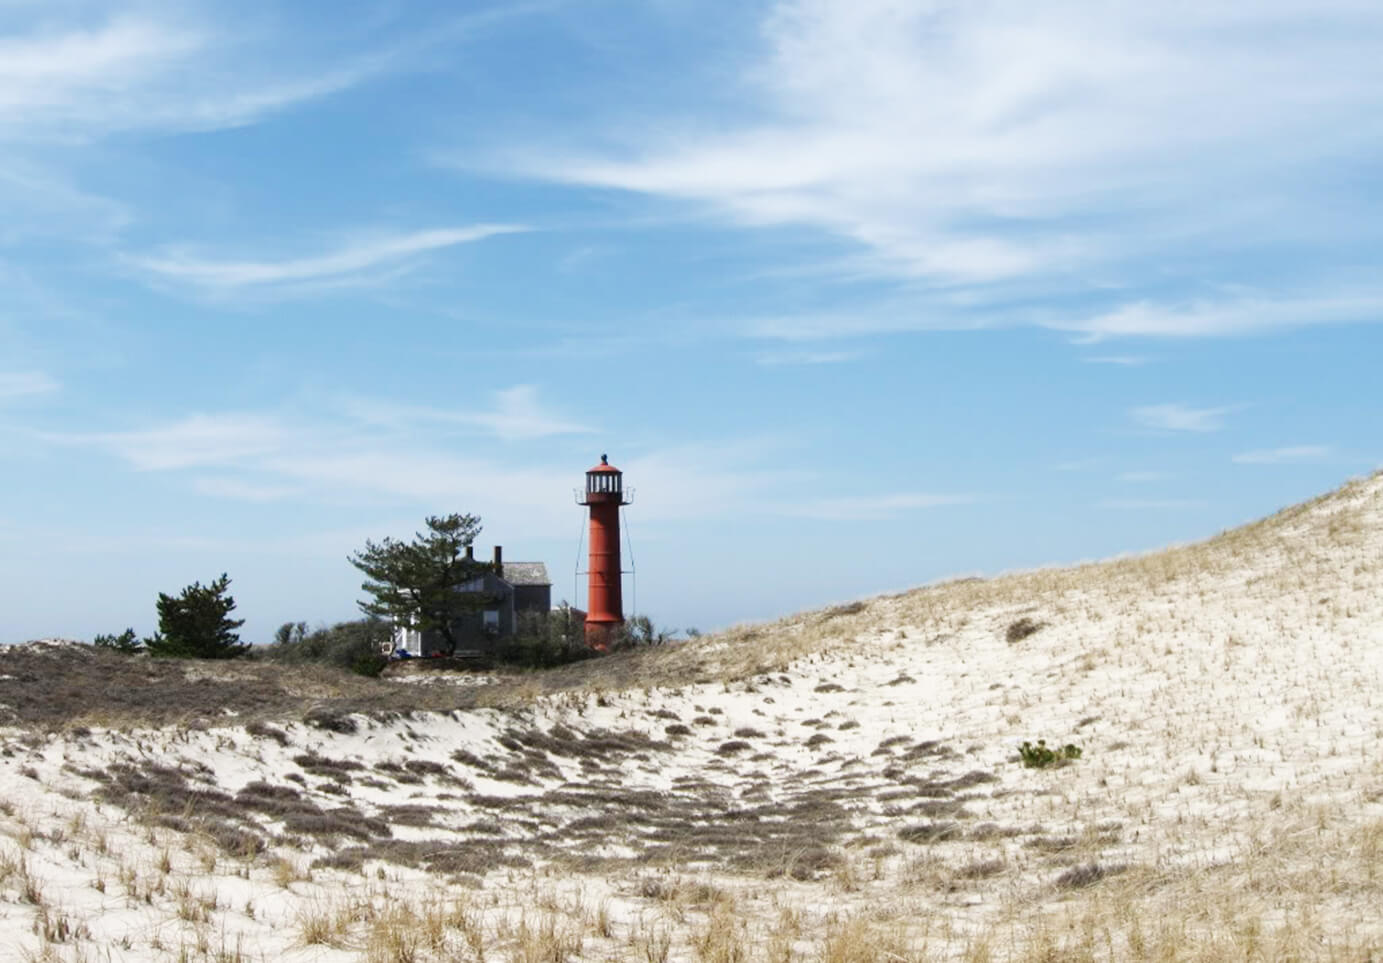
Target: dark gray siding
(533,598)
(524,588)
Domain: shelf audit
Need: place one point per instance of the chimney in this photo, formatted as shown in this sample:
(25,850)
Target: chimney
(499,560)
(470,553)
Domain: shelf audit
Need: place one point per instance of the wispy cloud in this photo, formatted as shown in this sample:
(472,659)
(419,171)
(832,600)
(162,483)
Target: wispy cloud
(347,260)
(68,78)
(872,507)
(1180,417)
(1228,316)
(57,80)
(1122,360)
(241,490)
(35,201)
(1151,504)
(194,441)
(260,457)
(75,73)
(19,384)
(1282,456)
(516,414)
(377,469)
(726,476)
(969,144)
(359,432)
(368,454)
(773,359)
(936,312)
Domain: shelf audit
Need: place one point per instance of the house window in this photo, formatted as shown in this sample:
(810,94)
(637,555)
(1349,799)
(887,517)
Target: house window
(492,620)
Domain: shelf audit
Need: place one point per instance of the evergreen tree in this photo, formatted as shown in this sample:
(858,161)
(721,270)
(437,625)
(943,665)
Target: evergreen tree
(418,583)
(126,643)
(197,624)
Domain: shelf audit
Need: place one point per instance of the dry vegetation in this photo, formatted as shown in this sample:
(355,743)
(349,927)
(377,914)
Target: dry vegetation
(844,785)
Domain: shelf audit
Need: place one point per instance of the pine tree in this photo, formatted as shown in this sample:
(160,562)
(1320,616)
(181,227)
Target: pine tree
(126,643)
(197,624)
(418,583)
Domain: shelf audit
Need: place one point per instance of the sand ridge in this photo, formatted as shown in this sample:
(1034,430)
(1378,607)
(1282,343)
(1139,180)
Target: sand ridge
(844,784)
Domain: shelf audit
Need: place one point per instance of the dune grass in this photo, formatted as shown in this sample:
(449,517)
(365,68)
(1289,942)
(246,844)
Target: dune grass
(842,785)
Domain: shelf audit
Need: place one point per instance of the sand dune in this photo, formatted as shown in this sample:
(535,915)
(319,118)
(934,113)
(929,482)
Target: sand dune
(842,785)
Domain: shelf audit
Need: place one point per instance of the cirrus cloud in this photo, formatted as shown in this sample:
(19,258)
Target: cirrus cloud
(1033,149)
(874,507)
(1282,456)
(1179,417)
(351,259)
(20,384)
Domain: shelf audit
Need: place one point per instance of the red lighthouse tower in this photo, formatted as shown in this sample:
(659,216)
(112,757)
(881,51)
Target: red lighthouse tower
(604,598)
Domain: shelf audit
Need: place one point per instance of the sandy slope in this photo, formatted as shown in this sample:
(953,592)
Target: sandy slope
(842,785)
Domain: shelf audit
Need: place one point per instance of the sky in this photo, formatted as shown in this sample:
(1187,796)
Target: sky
(859,295)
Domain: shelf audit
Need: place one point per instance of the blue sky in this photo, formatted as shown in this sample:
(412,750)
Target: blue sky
(859,295)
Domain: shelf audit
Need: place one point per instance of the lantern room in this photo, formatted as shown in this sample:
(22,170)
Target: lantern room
(605,483)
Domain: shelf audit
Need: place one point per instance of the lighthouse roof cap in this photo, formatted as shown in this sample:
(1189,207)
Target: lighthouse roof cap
(604,466)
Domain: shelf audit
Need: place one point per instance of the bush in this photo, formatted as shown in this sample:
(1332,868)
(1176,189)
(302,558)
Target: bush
(1020,629)
(938,832)
(638,632)
(1078,877)
(1041,757)
(354,646)
(126,643)
(544,640)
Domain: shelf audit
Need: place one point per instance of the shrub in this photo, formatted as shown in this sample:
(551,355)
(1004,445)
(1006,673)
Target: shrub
(840,611)
(981,869)
(262,730)
(1040,756)
(1079,877)
(126,643)
(1020,629)
(332,720)
(937,832)
(355,646)
(639,631)
(544,640)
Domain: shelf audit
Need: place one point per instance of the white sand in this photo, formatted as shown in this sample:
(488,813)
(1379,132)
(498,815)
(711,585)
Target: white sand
(1228,699)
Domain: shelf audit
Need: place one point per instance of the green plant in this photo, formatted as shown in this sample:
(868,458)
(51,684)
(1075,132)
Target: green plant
(1040,756)
(126,643)
(639,631)
(290,633)
(1020,629)
(197,624)
(356,646)
(420,583)
(545,640)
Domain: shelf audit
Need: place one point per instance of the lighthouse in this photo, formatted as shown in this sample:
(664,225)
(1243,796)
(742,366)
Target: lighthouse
(604,599)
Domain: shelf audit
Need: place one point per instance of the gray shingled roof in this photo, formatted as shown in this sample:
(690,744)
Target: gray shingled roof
(526,573)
